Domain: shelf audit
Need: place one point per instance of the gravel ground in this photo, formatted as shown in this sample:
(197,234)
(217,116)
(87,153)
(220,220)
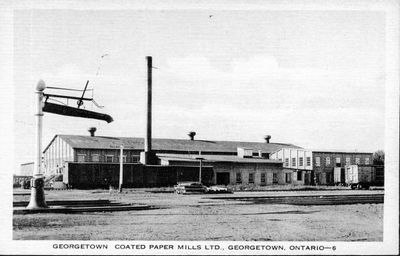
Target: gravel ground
(197,217)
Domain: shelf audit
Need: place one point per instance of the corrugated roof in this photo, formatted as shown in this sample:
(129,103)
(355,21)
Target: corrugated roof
(100,142)
(216,158)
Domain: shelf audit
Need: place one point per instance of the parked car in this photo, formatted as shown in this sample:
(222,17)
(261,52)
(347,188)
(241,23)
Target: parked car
(190,187)
(218,190)
(27,184)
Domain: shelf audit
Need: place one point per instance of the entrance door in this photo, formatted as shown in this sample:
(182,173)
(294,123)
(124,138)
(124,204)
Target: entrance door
(307,178)
(223,178)
(342,175)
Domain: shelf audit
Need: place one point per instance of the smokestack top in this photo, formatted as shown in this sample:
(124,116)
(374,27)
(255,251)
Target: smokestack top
(92,130)
(267,138)
(191,135)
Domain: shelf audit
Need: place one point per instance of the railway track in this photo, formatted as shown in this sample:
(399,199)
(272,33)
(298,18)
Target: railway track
(78,206)
(311,199)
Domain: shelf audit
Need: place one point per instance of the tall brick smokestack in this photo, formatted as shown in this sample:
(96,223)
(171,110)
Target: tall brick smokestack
(147,140)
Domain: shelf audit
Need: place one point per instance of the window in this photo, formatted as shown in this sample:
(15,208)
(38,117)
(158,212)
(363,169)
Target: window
(367,160)
(81,158)
(299,175)
(287,162)
(327,161)
(275,178)
(238,177)
(347,160)
(293,162)
(251,177)
(95,157)
(309,161)
(317,161)
(301,161)
(288,177)
(337,161)
(135,159)
(263,181)
(357,160)
(109,158)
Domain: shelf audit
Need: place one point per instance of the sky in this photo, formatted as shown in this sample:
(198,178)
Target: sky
(315,79)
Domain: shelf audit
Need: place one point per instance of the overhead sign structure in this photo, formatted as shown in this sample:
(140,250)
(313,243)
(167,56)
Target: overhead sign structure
(77,112)
(37,200)
(71,111)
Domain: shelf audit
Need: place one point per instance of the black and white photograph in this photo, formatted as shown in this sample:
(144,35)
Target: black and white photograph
(200,127)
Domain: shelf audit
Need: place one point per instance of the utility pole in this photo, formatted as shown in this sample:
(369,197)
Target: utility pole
(121,167)
(37,200)
(200,167)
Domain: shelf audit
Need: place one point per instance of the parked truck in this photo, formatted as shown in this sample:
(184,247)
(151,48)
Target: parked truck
(363,176)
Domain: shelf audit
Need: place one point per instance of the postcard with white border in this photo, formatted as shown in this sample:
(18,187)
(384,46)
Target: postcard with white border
(200,127)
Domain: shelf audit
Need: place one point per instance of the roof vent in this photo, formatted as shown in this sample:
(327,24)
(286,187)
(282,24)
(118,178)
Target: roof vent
(92,130)
(191,135)
(267,138)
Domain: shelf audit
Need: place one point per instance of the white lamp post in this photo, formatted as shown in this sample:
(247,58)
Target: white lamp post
(37,182)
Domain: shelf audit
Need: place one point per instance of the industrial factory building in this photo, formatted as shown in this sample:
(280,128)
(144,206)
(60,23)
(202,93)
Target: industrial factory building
(234,170)
(230,162)
(324,163)
(298,160)
(86,159)
(316,166)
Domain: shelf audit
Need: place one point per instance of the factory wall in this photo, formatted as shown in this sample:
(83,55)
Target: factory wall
(299,159)
(27,169)
(247,174)
(101,175)
(260,174)
(325,162)
(56,155)
(106,155)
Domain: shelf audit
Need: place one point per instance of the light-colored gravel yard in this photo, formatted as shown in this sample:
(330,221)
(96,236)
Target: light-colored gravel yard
(197,217)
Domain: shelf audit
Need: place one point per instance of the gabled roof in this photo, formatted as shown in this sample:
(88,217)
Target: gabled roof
(100,142)
(216,158)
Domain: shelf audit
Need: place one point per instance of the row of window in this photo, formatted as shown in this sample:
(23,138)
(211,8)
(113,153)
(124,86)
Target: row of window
(301,161)
(107,158)
(338,163)
(263,179)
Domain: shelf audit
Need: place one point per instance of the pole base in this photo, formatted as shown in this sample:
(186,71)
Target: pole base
(37,193)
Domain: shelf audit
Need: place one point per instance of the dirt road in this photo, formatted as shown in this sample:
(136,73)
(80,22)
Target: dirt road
(198,217)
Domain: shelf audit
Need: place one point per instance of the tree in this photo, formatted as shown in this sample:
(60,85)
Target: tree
(379,157)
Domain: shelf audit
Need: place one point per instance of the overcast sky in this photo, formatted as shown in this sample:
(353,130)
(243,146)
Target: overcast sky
(312,78)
